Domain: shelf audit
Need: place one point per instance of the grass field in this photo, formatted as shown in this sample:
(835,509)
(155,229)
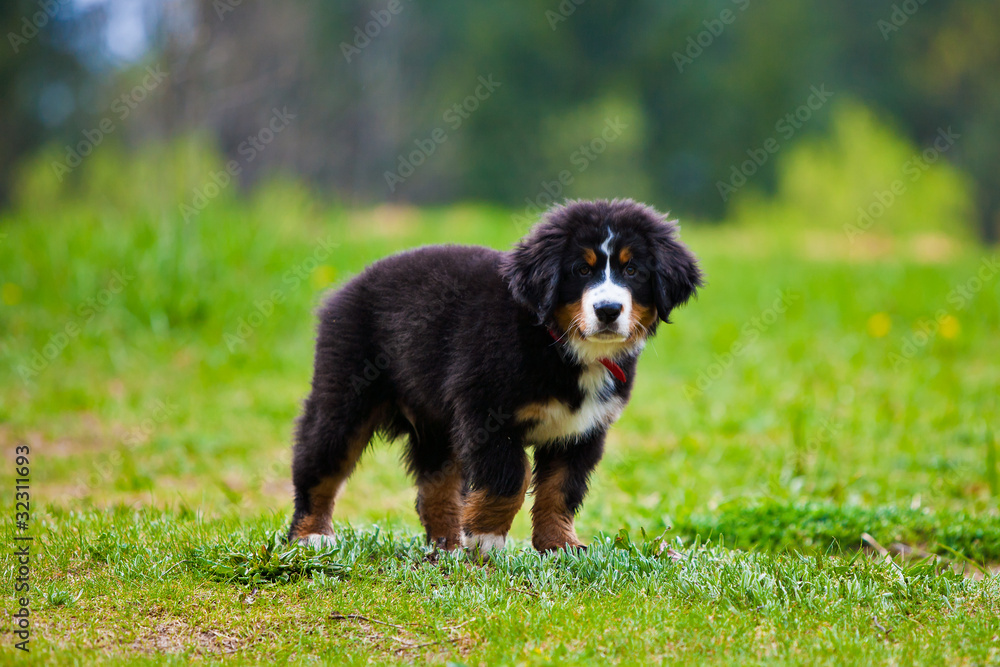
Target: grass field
(823,409)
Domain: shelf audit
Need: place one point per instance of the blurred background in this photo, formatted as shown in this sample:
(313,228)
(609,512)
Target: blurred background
(386,101)
(181,181)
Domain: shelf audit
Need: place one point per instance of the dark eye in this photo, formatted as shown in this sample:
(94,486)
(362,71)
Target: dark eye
(584,270)
(630,270)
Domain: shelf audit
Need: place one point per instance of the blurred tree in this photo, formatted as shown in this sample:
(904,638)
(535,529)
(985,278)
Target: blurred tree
(389,102)
(42,83)
(951,74)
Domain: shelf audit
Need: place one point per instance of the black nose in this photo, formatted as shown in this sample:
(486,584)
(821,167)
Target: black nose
(608,312)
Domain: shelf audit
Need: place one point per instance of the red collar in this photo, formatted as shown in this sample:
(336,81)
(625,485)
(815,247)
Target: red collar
(615,369)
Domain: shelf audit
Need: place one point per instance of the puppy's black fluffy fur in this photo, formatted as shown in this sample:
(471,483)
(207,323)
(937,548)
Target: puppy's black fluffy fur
(474,355)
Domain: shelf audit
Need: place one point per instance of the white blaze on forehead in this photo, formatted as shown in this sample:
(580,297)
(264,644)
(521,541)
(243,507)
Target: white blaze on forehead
(606,246)
(607,291)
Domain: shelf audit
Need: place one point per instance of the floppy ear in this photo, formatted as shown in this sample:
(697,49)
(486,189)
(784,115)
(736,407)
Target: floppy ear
(532,269)
(676,275)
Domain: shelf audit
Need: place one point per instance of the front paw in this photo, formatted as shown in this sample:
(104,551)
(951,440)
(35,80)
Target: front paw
(317,541)
(480,545)
(444,543)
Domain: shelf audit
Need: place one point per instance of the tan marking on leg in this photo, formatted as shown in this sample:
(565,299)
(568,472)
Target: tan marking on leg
(321,498)
(487,513)
(625,254)
(323,495)
(551,521)
(439,505)
(589,256)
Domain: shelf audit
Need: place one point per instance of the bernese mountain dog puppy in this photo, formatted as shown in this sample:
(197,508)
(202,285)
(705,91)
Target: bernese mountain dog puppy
(475,356)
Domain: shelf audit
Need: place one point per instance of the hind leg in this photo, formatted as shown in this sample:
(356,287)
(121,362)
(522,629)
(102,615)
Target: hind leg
(348,402)
(439,485)
(329,442)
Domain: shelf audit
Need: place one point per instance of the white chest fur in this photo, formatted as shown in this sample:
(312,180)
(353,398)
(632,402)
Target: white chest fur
(555,420)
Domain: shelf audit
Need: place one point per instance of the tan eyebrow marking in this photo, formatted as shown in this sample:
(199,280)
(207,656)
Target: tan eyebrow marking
(589,256)
(625,255)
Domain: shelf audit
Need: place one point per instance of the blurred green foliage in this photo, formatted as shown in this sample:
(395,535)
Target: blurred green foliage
(865,176)
(823,526)
(190,374)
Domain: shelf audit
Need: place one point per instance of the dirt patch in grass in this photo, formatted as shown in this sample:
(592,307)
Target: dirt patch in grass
(89,435)
(159,635)
(411,639)
(175,636)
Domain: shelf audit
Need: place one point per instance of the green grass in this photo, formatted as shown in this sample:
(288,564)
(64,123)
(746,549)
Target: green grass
(161,584)
(160,431)
(810,526)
